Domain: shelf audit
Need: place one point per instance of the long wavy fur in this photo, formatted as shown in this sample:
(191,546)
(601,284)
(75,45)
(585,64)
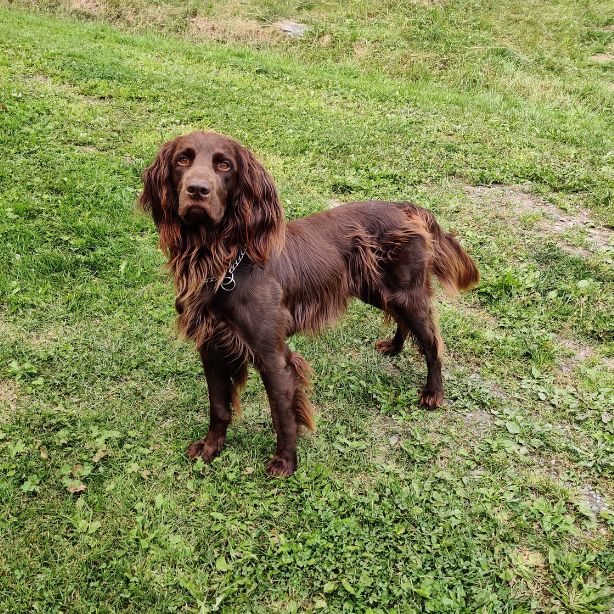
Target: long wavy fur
(382,253)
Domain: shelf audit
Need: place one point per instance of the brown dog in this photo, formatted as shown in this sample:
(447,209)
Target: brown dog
(246,280)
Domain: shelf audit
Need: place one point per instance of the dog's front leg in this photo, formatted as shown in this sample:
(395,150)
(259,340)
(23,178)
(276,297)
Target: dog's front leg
(280,384)
(218,372)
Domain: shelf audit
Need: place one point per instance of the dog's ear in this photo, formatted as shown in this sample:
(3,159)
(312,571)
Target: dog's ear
(158,196)
(260,214)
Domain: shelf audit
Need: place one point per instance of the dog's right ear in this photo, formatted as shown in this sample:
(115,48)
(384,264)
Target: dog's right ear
(158,193)
(158,196)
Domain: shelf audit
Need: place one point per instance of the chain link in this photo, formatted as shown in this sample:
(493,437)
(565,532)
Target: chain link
(228,282)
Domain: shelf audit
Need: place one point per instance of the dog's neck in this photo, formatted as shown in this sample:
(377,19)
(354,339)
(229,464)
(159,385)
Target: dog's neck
(198,254)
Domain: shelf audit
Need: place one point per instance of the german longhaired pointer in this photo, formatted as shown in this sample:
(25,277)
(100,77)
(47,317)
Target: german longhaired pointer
(246,280)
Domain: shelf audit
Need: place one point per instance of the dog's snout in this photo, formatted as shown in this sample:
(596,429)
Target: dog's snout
(198,189)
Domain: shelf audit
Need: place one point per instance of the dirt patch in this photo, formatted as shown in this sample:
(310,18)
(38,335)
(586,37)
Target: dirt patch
(565,475)
(49,336)
(39,78)
(92,7)
(88,149)
(383,427)
(578,353)
(291,29)
(519,202)
(477,422)
(602,58)
(334,203)
(8,399)
(595,501)
(5,328)
(361,50)
(242,30)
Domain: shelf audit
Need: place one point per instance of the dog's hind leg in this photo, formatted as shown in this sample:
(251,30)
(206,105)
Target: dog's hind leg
(420,319)
(391,347)
(408,300)
(394,345)
(414,312)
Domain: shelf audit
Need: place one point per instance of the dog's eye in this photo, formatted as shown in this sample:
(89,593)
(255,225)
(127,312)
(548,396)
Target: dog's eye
(183,160)
(224,166)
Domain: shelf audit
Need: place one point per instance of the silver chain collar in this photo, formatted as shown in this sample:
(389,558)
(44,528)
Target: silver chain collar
(229,283)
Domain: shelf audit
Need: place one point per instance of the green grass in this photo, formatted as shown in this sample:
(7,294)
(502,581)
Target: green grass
(490,114)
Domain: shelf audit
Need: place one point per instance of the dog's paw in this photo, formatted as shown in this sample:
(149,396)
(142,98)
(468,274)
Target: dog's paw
(281,467)
(431,399)
(387,347)
(205,449)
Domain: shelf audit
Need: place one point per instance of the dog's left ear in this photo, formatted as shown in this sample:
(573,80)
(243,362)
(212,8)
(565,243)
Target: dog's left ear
(261,216)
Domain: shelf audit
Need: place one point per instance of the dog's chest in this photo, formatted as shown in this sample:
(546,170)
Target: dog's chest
(204,322)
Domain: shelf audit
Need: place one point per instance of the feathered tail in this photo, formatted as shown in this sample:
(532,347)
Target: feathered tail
(453,266)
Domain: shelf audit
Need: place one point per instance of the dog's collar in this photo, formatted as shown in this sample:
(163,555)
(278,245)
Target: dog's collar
(229,283)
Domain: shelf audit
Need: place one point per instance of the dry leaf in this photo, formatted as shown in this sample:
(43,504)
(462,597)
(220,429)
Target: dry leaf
(99,455)
(532,558)
(76,488)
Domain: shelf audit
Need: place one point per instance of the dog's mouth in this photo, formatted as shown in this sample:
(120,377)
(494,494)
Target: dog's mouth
(204,210)
(192,212)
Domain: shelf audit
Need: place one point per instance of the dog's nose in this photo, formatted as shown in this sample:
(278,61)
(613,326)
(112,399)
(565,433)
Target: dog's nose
(198,189)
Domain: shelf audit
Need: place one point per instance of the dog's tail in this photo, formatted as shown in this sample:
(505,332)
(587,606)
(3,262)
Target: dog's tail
(452,264)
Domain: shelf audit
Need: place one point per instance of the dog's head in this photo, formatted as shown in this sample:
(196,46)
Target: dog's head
(205,180)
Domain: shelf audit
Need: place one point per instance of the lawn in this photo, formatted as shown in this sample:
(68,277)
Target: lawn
(498,117)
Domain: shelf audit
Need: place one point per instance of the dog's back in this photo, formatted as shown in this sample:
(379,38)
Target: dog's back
(357,250)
